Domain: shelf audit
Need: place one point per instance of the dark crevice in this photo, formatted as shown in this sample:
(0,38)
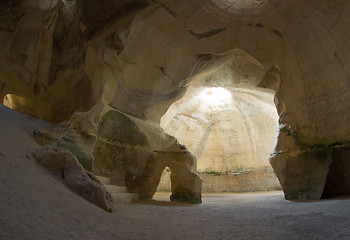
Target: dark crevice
(274,31)
(207,33)
(338,59)
(200,35)
(111,17)
(338,178)
(2,86)
(277,32)
(167,75)
(53,19)
(171,12)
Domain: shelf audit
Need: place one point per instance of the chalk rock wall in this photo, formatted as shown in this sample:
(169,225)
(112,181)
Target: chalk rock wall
(59,57)
(43,47)
(42,56)
(228,121)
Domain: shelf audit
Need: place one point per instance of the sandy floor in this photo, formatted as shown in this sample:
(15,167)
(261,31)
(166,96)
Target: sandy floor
(33,205)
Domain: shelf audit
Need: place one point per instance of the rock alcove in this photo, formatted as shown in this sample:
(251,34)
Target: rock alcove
(229,122)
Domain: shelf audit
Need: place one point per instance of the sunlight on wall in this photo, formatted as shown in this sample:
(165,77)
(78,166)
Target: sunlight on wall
(225,128)
(7,101)
(215,97)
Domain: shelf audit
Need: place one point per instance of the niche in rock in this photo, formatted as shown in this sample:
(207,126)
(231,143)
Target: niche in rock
(229,121)
(19,104)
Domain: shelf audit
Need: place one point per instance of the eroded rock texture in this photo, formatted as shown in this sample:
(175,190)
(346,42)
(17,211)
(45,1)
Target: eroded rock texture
(310,172)
(228,119)
(64,165)
(58,57)
(134,153)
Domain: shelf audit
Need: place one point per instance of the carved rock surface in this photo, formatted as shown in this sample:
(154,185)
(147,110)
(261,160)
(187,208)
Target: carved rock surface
(133,153)
(59,57)
(302,174)
(64,165)
(310,172)
(225,119)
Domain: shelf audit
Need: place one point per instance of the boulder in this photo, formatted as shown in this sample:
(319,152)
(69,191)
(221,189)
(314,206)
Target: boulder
(310,172)
(302,174)
(68,138)
(65,165)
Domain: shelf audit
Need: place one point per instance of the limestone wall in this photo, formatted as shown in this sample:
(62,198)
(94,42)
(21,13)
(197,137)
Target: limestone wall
(63,56)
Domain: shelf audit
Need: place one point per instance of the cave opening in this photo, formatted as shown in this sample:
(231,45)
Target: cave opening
(230,123)
(232,133)
(19,103)
(7,101)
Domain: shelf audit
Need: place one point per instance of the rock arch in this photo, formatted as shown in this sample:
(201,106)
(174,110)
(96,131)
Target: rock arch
(228,119)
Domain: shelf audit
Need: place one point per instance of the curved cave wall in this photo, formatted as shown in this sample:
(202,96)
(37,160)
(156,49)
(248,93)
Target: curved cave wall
(60,57)
(229,121)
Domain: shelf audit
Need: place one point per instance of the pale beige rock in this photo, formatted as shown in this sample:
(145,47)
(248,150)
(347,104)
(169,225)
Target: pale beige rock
(226,119)
(33,204)
(164,56)
(59,57)
(302,174)
(244,180)
(63,164)
(134,153)
(46,68)
(86,122)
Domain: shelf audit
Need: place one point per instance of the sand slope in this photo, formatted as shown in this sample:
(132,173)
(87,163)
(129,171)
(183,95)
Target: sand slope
(34,205)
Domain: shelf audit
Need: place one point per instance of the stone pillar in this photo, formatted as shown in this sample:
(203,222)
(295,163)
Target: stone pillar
(302,174)
(310,172)
(186,185)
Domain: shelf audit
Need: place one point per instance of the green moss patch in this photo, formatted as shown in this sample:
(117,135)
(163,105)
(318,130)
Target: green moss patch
(117,127)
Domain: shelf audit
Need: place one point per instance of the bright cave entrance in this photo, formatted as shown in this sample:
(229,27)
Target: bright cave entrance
(231,129)
(18,103)
(232,133)
(7,101)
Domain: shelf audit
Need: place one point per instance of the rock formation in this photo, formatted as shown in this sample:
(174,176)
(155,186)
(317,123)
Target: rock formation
(310,172)
(128,151)
(58,57)
(134,153)
(228,121)
(63,164)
